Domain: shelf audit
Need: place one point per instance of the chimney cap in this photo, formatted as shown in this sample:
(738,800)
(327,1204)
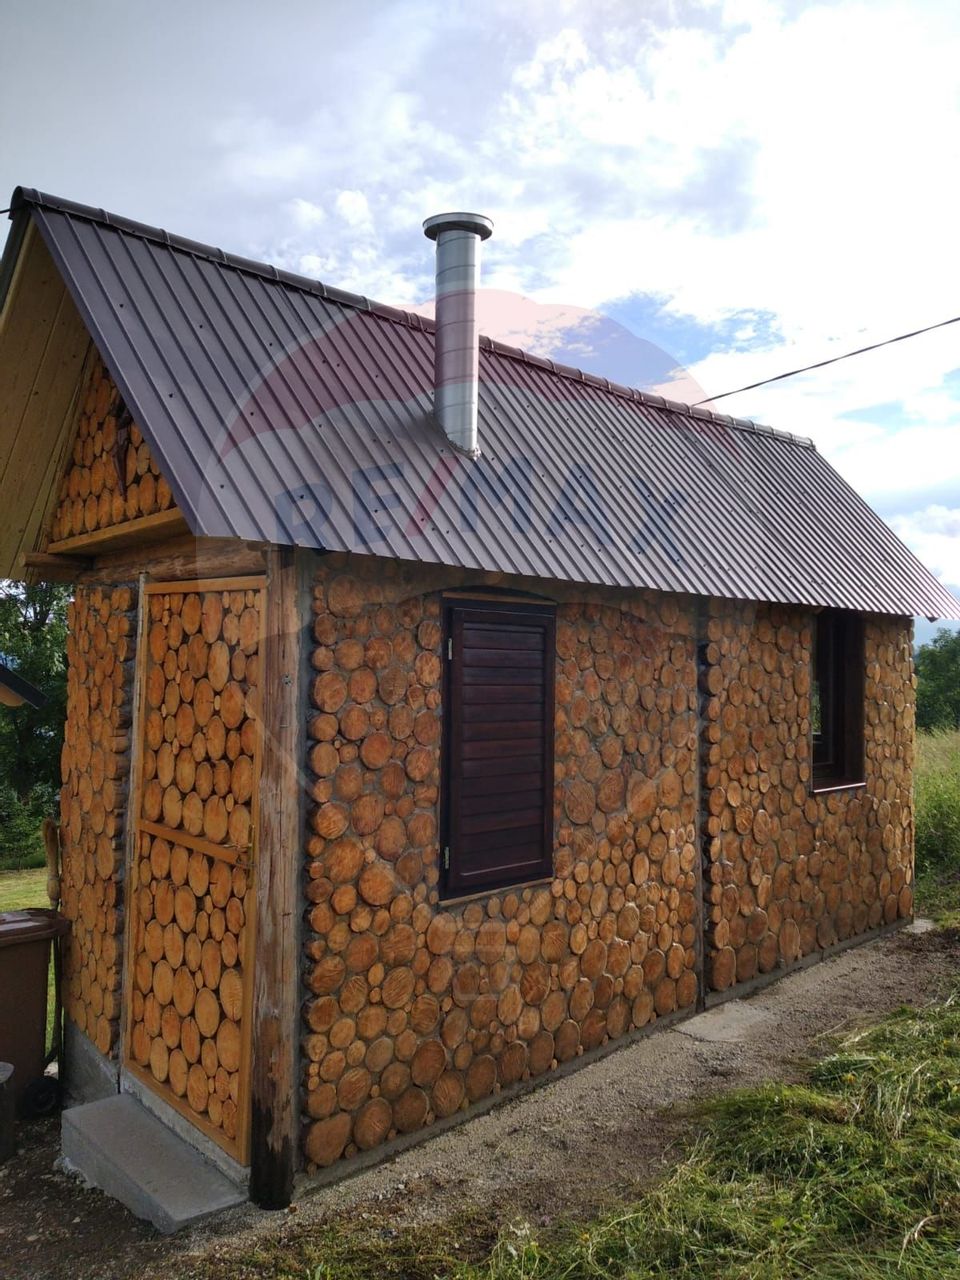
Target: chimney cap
(475,222)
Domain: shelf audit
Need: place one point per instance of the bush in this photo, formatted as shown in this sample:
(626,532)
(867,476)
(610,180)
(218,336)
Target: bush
(21,845)
(937,801)
(937,665)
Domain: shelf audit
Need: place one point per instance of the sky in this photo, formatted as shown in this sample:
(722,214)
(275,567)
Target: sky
(687,196)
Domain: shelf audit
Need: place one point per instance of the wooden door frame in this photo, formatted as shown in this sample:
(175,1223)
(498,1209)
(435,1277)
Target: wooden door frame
(275,1016)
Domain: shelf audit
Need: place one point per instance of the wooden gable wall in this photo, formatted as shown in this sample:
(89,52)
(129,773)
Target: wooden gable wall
(43,349)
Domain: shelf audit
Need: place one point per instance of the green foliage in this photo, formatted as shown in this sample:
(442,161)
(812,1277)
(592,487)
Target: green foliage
(937,665)
(32,640)
(937,804)
(20,818)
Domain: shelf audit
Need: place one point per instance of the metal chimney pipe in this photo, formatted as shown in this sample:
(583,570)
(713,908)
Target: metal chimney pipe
(457,350)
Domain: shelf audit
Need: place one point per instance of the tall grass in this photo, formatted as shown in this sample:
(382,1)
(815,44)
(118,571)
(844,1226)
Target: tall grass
(854,1175)
(937,799)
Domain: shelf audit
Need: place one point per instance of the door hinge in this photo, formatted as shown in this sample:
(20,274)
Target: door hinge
(450,648)
(446,858)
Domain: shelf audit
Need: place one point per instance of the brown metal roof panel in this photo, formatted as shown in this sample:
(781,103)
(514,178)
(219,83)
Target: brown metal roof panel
(876,557)
(657,474)
(285,411)
(840,546)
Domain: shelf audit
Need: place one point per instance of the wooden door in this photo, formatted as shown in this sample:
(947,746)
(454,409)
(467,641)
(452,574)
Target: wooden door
(191,899)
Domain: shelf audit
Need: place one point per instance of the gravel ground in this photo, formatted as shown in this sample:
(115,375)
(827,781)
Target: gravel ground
(616,1123)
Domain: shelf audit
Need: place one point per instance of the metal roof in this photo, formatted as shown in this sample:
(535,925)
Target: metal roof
(284,411)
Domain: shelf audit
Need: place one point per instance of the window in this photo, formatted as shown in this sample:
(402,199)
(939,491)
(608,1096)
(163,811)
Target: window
(837,699)
(498,744)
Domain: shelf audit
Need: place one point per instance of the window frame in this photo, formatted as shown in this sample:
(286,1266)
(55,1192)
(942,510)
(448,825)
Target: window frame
(455,879)
(837,753)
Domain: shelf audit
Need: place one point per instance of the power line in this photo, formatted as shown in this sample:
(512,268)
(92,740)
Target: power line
(874,346)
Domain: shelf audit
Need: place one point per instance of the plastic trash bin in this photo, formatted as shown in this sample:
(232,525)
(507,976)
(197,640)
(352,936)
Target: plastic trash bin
(7,1140)
(25,938)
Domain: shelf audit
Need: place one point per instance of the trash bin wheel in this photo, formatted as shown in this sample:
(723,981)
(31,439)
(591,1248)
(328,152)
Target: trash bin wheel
(41,1097)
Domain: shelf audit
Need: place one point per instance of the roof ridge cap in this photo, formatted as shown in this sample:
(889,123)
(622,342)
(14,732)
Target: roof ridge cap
(30,196)
(652,398)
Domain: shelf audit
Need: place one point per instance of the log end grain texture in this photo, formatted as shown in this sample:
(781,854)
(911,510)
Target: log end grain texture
(415,1008)
(192,904)
(95,764)
(787,871)
(111,478)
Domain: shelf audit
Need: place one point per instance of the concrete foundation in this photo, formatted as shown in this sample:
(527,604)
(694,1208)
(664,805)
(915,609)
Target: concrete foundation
(118,1146)
(88,1075)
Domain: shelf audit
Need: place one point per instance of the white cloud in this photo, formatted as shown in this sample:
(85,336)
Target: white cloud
(852,179)
(306,215)
(933,534)
(353,208)
(784,173)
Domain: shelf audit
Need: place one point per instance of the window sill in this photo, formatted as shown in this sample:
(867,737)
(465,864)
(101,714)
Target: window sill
(827,785)
(493,892)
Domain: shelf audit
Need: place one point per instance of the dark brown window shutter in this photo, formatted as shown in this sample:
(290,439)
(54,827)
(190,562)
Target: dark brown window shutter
(498,744)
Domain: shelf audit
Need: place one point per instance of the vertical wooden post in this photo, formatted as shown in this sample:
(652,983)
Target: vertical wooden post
(702,864)
(276,999)
(131,813)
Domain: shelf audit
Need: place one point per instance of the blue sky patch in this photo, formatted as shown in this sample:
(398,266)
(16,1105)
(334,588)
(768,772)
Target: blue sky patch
(889,414)
(687,339)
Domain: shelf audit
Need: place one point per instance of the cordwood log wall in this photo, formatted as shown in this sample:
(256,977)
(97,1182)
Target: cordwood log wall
(682,774)
(415,1007)
(112,477)
(95,763)
(788,872)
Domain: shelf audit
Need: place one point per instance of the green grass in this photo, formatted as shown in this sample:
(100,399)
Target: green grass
(853,1175)
(937,800)
(28,889)
(938,898)
(23,889)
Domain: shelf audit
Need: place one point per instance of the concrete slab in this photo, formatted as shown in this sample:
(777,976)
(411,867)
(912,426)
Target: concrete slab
(920,925)
(729,1023)
(118,1146)
(179,1124)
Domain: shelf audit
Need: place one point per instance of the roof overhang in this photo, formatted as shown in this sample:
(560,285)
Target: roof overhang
(44,346)
(15,691)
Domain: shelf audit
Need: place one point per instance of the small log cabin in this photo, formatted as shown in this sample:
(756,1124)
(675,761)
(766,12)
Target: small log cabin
(438,716)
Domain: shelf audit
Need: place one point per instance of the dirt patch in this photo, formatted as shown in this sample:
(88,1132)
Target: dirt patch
(566,1149)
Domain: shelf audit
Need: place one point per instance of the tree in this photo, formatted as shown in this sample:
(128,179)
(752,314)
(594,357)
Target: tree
(33,633)
(937,665)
